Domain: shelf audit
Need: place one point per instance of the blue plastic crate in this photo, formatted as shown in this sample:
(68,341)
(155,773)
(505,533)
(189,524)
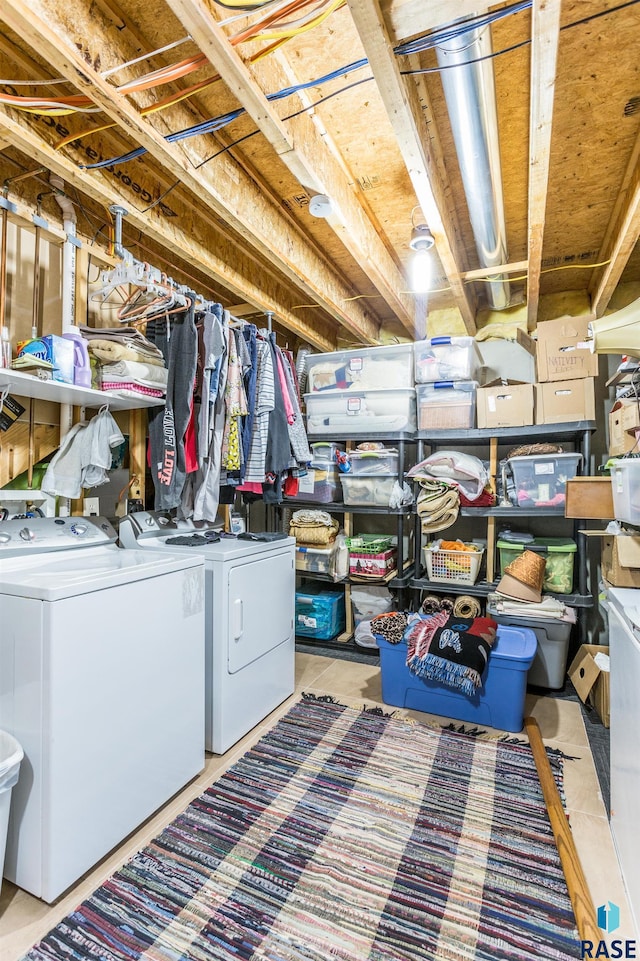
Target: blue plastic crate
(319,614)
(498,703)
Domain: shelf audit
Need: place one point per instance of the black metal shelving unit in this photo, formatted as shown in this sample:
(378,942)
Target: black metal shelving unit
(578,433)
(400,579)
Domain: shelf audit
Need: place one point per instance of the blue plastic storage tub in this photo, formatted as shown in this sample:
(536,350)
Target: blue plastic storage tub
(319,614)
(498,703)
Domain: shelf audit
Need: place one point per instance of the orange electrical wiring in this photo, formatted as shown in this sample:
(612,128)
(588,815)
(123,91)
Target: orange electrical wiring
(56,106)
(160,105)
(270,26)
(163,75)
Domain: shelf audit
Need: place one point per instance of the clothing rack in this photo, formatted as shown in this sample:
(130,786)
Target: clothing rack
(142,274)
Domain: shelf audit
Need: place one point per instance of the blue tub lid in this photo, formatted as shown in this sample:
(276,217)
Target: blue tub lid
(515,643)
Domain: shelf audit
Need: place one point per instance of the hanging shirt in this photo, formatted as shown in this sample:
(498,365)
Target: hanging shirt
(265,399)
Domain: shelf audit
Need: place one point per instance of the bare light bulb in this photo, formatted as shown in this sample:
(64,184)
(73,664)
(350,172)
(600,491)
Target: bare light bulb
(420,271)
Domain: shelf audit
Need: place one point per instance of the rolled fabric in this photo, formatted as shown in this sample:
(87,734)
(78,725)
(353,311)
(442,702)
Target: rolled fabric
(466,606)
(438,505)
(430,604)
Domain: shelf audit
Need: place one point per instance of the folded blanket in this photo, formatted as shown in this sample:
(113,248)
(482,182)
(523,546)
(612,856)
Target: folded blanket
(452,650)
(127,389)
(149,375)
(111,351)
(124,335)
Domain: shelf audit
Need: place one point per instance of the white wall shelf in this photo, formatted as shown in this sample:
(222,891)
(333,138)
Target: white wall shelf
(26,385)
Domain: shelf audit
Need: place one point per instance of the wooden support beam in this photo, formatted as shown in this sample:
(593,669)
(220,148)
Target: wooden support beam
(137,454)
(221,188)
(545,21)
(301,148)
(621,236)
(517,267)
(410,18)
(403,109)
(187,242)
(577,886)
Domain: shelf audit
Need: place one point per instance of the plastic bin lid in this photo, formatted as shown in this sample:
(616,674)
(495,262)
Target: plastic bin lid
(571,455)
(563,545)
(514,644)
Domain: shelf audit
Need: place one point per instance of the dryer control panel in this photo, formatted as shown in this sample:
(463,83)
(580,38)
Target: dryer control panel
(40,534)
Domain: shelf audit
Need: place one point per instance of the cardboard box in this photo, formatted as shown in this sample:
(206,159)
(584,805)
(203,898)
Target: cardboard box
(621,560)
(589,498)
(559,402)
(563,351)
(624,420)
(591,683)
(505,403)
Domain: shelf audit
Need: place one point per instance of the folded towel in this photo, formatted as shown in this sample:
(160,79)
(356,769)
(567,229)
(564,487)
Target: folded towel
(149,375)
(126,389)
(452,650)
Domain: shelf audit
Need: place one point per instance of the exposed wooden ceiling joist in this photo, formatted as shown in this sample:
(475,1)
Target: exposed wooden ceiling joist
(408,18)
(403,109)
(621,237)
(545,20)
(305,154)
(181,234)
(227,192)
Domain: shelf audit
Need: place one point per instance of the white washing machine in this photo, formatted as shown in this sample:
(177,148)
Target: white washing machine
(250,616)
(624,645)
(101,682)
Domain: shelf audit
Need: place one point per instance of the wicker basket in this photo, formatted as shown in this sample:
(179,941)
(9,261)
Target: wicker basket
(453,567)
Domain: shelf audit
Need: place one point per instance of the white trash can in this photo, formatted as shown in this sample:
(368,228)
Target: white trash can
(11,755)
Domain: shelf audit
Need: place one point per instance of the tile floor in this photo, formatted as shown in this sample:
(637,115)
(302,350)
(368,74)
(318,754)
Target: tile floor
(24,919)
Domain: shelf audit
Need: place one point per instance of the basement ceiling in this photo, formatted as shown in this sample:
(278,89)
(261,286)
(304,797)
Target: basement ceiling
(235,119)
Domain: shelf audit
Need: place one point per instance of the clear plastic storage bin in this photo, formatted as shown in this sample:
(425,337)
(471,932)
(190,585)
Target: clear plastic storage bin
(320,485)
(374,461)
(319,614)
(365,368)
(558,552)
(447,405)
(446,358)
(315,560)
(540,480)
(625,483)
(367,490)
(360,412)
(323,452)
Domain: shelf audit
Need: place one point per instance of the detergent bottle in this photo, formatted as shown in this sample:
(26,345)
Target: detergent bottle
(81,362)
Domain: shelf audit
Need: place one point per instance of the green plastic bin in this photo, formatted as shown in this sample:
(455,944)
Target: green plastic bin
(558,552)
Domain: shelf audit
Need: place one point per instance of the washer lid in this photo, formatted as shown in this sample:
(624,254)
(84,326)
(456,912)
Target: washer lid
(226,549)
(626,601)
(52,577)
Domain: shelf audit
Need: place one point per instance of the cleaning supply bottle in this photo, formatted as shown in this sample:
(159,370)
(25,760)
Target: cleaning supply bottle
(81,362)
(5,348)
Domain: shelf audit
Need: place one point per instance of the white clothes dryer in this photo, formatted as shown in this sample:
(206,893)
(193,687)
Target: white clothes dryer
(101,682)
(250,617)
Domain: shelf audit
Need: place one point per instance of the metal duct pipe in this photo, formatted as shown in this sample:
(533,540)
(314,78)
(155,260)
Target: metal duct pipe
(68,252)
(471,100)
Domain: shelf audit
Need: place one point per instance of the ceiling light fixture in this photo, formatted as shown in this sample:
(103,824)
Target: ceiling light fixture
(420,269)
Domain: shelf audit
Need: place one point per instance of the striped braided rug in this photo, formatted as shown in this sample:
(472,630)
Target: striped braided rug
(343,834)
